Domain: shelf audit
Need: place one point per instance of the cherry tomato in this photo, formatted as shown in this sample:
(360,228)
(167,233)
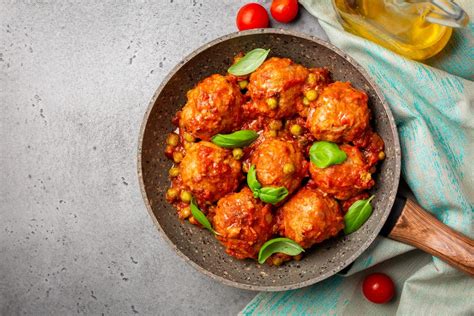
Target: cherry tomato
(378,288)
(252,16)
(284,10)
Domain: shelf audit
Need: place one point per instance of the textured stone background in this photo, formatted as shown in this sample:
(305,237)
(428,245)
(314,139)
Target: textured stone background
(76,77)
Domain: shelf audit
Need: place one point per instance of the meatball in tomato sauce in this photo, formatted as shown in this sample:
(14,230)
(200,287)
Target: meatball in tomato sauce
(279,162)
(275,87)
(244,223)
(340,114)
(214,106)
(344,180)
(309,217)
(209,172)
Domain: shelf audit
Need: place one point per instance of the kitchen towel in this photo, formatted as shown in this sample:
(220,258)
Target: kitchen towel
(434,111)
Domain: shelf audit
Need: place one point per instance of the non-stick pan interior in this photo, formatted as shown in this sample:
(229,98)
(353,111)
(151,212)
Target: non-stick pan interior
(198,246)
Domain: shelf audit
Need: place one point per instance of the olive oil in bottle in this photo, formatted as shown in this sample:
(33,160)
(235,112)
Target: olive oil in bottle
(412,28)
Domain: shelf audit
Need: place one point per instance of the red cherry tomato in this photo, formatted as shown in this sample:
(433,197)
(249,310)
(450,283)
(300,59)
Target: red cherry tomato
(378,288)
(284,10)
(252,16)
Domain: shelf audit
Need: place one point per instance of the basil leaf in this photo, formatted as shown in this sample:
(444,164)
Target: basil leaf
(324,154)
(273,195)
(252,181)
(281,245)
(237,139)
(201,218)
(251,61)
(357,215)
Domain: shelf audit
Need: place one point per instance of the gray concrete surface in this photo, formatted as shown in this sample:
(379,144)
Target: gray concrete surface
(76,77)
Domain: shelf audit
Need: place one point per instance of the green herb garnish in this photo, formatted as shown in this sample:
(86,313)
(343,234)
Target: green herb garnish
(235,140)
(324,154)
(271,195)
(252,181)
(249,63)
(201,218)
(357,215)
(278,245)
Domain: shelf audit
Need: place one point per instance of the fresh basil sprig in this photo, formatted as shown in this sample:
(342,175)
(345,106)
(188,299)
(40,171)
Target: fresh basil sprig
(201,218)
(357,215)
(281,245)
(249,63)
(324,154)
(271,195)
(235,140)
(252,181)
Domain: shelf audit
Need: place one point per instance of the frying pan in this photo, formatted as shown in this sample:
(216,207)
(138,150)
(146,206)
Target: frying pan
(407,222)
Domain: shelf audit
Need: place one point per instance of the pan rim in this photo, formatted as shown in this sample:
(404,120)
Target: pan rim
(390,200)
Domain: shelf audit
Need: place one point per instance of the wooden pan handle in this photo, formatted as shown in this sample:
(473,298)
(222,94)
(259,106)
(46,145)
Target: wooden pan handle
(418,228)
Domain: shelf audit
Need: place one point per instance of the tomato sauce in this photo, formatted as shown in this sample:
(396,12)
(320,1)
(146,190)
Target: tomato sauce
(290,107)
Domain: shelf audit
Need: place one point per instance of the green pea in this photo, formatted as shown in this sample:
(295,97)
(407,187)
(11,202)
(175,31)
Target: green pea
(174,172)
(243,84)
(311,95)
(272,103)
(296,129)
(172,140)
(172,193)
(238,153)
(288,168)
(186,196)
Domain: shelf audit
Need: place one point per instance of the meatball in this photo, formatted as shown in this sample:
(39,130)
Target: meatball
(214,106)
(341,114)
(275,88)
(279,162)
(310,217)
(209,172)
(344,180)
(244,223)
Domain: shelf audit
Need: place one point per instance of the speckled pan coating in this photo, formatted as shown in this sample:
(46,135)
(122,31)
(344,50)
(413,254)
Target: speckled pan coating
(198,246)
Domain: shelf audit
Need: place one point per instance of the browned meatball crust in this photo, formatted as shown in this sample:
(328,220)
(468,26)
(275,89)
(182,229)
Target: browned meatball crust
(274,158)
(244,223)
(278,78)
(214,106)
(310,217)
(345,180)
(340,114)
(209,172)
